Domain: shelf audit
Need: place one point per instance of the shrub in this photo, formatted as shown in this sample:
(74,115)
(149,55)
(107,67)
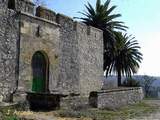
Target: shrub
(12,118)
(130,82)
(147,84)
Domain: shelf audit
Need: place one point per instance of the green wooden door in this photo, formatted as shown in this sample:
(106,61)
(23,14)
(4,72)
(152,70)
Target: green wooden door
(39,67)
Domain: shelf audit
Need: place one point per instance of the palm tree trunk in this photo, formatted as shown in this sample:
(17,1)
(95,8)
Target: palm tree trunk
(119,78)
(107,71)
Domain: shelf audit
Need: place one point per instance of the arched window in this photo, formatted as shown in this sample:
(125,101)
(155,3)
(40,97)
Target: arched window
(11,4)
(40,68)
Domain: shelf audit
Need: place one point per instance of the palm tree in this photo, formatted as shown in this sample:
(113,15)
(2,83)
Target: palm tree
(101,17)
(126,56)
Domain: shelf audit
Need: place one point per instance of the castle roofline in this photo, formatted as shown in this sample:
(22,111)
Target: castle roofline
(29,1)
(45,8)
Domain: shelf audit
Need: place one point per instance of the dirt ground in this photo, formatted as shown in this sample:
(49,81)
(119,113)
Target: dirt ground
(153,116)
(52,115)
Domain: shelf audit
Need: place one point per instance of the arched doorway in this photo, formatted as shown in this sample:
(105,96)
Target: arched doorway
(40,70)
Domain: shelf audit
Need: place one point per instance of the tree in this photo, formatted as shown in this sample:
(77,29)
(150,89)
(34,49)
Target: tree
(131,82)
(101,17)
(146,83)
(126,56)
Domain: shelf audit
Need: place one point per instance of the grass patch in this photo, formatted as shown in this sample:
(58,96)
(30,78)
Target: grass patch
(132,111)
(151,98)
(9,112)
(128,112)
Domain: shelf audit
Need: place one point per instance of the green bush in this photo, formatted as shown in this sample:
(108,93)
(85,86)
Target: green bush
(130,82)
(8,113)
(12,118)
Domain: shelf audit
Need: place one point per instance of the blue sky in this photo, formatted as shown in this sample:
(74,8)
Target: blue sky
(141,16)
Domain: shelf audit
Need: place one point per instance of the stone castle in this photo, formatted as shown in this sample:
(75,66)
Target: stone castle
(45,52)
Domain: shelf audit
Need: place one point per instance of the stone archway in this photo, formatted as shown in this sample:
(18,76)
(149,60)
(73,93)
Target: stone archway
(40,71)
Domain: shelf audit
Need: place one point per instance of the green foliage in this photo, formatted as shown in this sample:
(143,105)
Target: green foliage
(12,118)
(130,82)
(146,83)
(8,113)
(121,52)
(102,17)
(126,56)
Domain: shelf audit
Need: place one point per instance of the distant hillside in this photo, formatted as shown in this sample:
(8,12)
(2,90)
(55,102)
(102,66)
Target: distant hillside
(156,82)
(113,80)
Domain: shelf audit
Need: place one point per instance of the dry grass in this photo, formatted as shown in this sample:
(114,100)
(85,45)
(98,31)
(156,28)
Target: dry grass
(121,114)
(83,114)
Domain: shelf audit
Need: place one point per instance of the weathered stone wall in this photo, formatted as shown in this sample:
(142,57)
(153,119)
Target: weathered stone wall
(81,56)
(24,6)
(38,35)
(90,55)
(9,42)
(69,62)
(45,13)
(116,98)
(74,102)
(74,50)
